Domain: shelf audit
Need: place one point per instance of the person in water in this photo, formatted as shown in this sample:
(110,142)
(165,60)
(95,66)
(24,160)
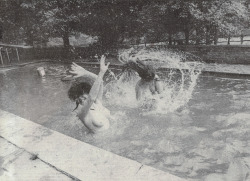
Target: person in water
(87,91)
(149,79)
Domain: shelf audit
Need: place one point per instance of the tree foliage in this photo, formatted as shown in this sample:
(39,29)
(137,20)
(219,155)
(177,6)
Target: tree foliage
(114,21)
(220,16)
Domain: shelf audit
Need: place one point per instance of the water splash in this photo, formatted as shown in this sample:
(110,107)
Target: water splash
(179,72)
(122,91)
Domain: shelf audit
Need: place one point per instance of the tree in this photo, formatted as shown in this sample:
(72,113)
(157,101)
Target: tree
(10,20)
(61,18)
(113,21)
(219,16)
(166,18)
(207,18)
(20,21)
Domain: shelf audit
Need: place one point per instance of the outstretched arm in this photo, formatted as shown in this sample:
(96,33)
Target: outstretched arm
(99,80)
(158,84)
(79,71)
(94,91)
(100,93)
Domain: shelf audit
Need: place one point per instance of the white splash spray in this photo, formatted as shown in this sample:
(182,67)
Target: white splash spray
(179,76)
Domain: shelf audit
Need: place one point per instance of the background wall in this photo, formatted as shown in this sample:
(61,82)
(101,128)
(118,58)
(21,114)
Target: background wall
(229,54)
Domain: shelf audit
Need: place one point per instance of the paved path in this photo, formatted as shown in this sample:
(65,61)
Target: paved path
(18,164)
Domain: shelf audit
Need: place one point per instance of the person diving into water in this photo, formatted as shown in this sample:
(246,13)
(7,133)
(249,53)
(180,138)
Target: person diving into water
(87,92)
(149,79)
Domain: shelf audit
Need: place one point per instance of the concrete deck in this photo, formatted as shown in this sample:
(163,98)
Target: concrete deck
(30,151)
(18,164)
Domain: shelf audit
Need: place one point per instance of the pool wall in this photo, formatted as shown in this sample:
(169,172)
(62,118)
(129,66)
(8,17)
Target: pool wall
(74,159)
(227,54)
(219,70)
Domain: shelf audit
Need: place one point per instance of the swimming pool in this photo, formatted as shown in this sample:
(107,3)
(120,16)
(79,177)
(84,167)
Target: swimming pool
(196,140)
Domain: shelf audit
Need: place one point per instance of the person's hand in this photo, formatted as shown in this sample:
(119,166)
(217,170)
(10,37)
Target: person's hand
(77,70)
(103,67)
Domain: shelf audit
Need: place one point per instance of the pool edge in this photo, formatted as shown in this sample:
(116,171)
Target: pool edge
(204,72)
(76,158)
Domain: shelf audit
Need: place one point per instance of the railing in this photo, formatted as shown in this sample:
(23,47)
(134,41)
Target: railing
(225,41)
(7,49)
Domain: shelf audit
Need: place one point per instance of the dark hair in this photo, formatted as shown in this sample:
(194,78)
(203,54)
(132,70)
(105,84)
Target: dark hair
(146,72)
(77,89)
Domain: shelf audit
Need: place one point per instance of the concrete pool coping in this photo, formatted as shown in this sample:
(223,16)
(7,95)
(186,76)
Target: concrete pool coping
(67,157)
(208,69)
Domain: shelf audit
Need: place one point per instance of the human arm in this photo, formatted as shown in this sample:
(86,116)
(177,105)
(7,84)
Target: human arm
(96,88)
(158,84)
(79,71)
(100,93)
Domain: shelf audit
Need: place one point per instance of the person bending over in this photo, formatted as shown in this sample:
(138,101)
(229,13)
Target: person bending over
(149,79)
(87,91)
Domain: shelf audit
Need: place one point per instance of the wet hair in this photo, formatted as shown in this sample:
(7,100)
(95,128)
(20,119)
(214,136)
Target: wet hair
(145,71)
(76,90)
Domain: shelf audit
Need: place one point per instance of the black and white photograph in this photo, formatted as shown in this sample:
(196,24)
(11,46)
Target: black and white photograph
(125,90)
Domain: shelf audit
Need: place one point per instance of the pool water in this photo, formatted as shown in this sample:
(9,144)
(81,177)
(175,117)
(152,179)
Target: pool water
(200,138)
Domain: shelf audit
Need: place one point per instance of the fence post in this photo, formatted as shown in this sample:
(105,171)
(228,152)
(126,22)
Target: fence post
(228,40)
(18,59)
(1,55)
(241,39)
(7,54)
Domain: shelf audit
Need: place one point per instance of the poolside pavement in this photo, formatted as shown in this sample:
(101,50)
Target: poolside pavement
(30,151)
(18,164)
